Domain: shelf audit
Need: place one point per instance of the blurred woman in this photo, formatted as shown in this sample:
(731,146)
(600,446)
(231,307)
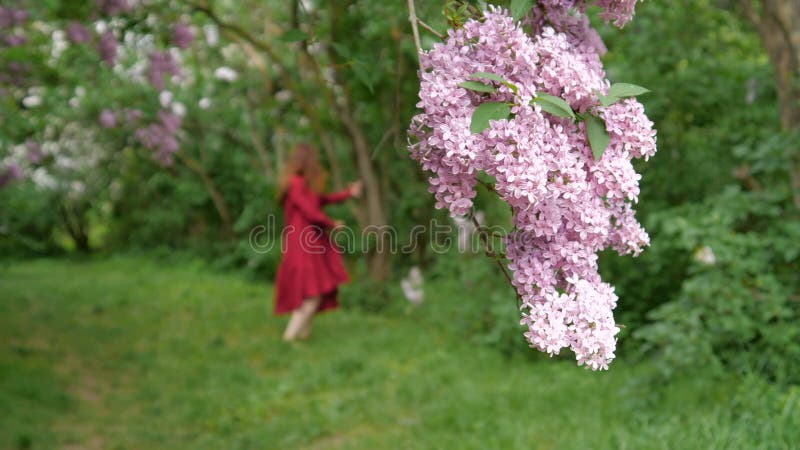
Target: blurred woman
(311,269)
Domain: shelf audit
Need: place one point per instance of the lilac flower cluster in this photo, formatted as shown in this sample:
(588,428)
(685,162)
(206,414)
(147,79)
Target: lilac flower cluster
(35,153)
(161,63)
(132,115)
(108,47)
(161,137)
(110,119)
(566,205)
(107,119)
(182,35)
(113,7)
(11,18)
(78,33)
(14,73)
(618,12)
(11,172)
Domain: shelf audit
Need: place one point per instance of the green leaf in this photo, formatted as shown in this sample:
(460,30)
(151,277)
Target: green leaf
(519,8)
(294,35)
(477,86)
(495,77)
(607,100)
(342,50)
(554,105)
(489,76)
(598,135)
(364,73)
(486,112)
(623,90)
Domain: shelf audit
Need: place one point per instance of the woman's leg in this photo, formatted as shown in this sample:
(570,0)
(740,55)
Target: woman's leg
(301,319)
(305,331)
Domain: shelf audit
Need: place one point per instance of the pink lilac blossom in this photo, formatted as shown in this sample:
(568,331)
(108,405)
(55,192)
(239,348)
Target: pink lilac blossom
(182,35)
(161,137)
(113,7)
(161,63)
(15,73)
(77,33)
(11,172)
(35,153)
(566,205)
(15,40)
(618,12)
(6,17)
(132,115)
(10,17)
(107,119)
(108,47)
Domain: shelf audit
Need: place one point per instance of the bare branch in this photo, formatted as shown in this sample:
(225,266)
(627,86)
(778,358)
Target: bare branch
(412,17)
(430,28)
(484,236)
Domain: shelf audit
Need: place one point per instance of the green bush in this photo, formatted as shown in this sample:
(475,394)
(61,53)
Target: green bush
(737,308)
(27,219)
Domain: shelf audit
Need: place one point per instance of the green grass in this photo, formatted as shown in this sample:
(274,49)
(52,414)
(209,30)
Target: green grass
(133,354)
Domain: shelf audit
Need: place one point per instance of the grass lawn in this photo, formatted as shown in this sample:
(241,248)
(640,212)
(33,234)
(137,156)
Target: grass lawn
(129,353)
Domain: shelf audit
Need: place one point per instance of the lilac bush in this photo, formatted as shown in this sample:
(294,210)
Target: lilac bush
(571,192)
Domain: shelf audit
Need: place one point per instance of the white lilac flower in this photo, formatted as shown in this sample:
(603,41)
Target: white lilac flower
(212,34)
(32,101)
(178,109)
(165,98)
(705,255)
(226,74)
(412,286)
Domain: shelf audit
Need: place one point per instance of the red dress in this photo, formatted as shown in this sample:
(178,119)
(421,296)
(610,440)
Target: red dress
(311,265)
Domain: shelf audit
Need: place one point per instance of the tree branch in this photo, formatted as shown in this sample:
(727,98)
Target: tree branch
(484,236)
(430,28)
(412,17)
(311,112)
(213,192)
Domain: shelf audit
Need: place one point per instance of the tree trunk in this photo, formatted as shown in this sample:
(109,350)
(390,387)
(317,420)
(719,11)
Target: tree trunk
(379,257)
(778,24)
(374,222)
(76,228)
(81,240)
(213,192)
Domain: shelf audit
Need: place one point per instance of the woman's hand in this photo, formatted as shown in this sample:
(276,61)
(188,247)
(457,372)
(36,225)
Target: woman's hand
(356,188)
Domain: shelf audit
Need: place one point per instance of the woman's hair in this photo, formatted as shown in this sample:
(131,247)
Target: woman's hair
(303,161)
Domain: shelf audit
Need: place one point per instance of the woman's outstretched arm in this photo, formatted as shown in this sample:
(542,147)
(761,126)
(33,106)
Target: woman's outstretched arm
(353,190)
(335,197)
(298,195)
